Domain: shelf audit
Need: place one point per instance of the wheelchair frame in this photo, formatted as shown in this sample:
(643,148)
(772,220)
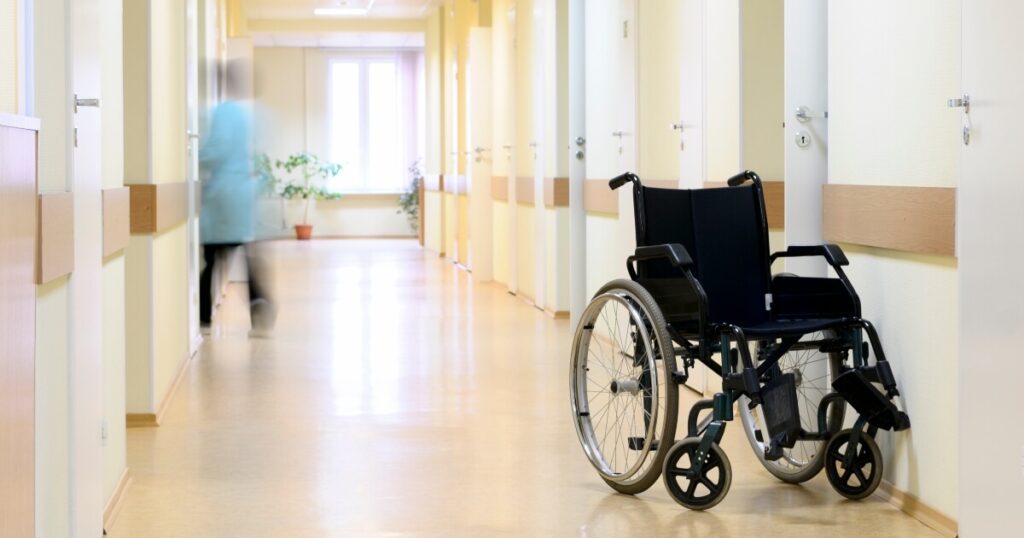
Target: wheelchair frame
(854,384)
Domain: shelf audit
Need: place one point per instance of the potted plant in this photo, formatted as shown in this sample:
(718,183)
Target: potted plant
(308,186)
(409,201)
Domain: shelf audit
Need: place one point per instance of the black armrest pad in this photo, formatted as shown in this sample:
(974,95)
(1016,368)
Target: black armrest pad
(675,253)
(831,252)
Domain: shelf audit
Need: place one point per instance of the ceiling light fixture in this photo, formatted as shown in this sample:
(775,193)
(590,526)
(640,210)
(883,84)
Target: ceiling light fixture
(339,11)
(343,11)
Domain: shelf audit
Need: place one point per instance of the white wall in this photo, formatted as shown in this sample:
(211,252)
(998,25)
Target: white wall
(888,79)
(289,119)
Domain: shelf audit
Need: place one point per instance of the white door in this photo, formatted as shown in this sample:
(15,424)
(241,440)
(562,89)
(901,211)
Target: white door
(194,188)
(86,283)
(478,139)
(806,85)
(508,150)
(610,104)
(991,252)
(691,132)
(577,161)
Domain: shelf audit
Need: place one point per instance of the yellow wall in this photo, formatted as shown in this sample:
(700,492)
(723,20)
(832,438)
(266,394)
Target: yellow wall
(170,299)
(432,210)
(112,114)
(526,252)
(52,300)
(500,250)
(762,73)
(659,60)
(912,299)
(167,86)
(722,89)
(155,148)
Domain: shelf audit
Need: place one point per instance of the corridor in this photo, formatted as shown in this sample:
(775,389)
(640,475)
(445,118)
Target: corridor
(399,398)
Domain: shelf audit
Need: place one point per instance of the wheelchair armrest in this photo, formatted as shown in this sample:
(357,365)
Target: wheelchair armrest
(831,252)
(674,252)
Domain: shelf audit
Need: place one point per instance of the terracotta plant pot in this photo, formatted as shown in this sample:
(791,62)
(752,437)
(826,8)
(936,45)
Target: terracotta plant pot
(303,231)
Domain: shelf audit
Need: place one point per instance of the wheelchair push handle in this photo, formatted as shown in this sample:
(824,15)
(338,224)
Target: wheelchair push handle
(743,177)
(621,180)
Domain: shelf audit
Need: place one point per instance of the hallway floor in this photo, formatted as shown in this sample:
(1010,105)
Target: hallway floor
(397,398)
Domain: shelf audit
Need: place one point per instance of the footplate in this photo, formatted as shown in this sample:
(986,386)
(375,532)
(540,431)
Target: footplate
(878,410)
(781,413)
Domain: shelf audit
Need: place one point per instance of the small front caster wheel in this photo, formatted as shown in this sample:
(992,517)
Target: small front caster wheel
(863,474)
(696,490)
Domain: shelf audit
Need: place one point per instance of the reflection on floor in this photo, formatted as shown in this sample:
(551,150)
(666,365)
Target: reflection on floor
(399,399)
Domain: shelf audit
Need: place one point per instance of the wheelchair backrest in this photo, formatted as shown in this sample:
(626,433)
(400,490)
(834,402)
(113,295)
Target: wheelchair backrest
(726,233)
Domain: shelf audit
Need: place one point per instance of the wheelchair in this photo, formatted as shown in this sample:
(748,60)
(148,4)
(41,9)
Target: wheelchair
(791,353)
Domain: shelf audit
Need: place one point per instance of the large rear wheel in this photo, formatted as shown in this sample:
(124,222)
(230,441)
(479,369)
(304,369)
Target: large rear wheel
(624,401)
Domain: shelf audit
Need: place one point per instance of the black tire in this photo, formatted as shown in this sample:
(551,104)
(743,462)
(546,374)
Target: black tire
(854,483)
(664,357)
(715,477)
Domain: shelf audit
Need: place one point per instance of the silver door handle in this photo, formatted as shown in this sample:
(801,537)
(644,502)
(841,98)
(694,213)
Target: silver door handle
(86,102)
(804,114)
(479,149)
(191,135)
(677,126)
(620,134)
(580,141)
(961,102)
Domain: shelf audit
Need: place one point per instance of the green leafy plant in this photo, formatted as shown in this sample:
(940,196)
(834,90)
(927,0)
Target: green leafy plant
(409,201)
(308,186)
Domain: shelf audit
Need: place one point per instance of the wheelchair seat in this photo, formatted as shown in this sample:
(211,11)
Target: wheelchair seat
(795,327)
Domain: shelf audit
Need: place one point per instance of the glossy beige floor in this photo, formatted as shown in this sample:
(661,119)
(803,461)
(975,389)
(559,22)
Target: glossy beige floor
(399,399)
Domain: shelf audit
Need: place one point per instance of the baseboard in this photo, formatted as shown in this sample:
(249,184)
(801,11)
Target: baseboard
(113,506)
(557,314)
(915,508)
(149,420)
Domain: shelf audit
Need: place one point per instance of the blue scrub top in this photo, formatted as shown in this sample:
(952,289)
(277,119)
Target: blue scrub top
(229,190)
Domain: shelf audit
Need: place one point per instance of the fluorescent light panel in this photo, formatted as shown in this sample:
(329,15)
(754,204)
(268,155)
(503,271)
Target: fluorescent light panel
(343,11)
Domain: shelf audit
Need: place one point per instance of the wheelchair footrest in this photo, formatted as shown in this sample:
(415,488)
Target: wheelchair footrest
(781,411)
(867,400)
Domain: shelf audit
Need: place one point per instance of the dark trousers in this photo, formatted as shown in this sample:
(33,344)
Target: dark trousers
(213,254)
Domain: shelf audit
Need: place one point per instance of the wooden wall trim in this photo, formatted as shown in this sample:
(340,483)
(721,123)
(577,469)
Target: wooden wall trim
(499,188)
(114,503)
(154,207)
(921,220)
(915,508)
(556,192)
(774,200)
(524,190)
(55,236)
(433,182)
(116,219)
(598,198)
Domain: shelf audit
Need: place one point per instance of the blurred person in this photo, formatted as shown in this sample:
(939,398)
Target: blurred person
(227,219)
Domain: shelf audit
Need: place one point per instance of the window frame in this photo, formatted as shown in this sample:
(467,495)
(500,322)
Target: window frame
(363,59)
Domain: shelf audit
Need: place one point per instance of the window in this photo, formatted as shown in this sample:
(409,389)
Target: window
(374,123)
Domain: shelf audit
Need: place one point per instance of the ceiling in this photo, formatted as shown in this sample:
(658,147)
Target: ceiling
(303,9)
